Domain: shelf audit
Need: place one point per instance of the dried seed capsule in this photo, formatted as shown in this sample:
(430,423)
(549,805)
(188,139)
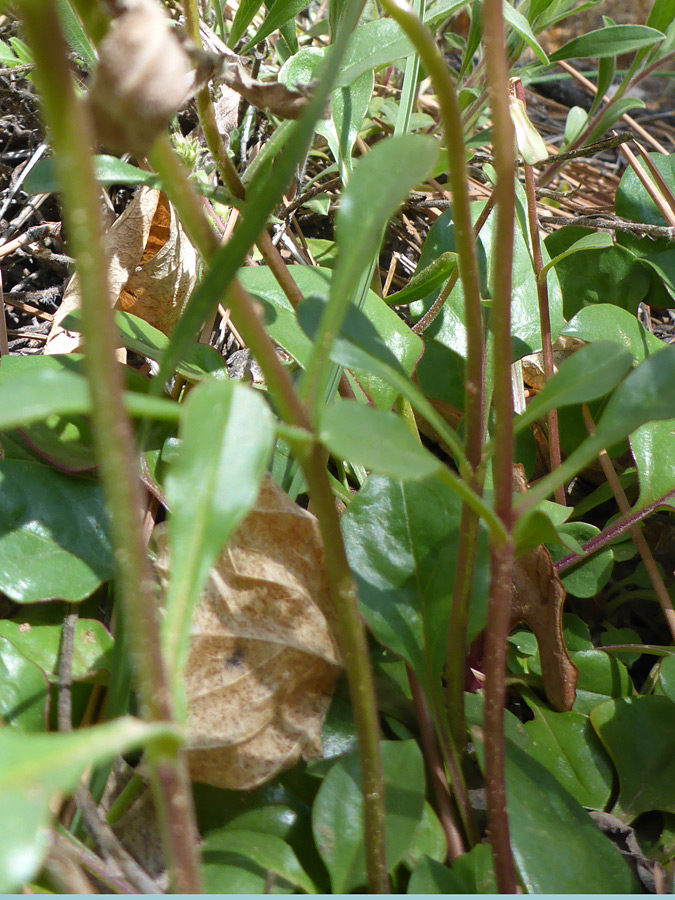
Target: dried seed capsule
(143,78)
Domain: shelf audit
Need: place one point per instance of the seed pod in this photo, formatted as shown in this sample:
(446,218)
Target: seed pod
(143,78)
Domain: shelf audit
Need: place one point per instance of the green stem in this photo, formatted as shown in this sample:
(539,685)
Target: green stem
(498,619)
(226,170)
(555,456)
(423,41)
(71,137)
(351,633)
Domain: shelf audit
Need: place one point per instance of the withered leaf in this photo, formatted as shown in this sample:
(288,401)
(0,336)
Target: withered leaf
(263,656)
(272,96)
(537,599)
(152,268)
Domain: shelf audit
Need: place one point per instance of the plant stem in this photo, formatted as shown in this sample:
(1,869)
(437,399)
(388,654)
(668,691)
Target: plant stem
(555,456)
(451,119)
(502,554)
(439,781)
(613,531)
(351,633)
(214,141)
(72,138)
(637,535)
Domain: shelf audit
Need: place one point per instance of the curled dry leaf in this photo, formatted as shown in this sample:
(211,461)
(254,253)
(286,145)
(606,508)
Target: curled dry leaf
(143,77)
(263,657)
(272,96)
(537,599)
(152,268)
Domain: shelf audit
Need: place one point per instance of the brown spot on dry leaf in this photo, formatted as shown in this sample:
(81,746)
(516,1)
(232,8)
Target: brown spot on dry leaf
(152,268)
(263,656)
(537,599)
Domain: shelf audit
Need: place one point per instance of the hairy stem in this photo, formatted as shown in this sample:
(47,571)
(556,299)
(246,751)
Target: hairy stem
(502,554)
(637,535)
(71,137)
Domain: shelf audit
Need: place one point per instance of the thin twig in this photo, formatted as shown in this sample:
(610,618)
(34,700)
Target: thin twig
(612,532)
(647,183)
(613,223)
(637,535)
(65,670)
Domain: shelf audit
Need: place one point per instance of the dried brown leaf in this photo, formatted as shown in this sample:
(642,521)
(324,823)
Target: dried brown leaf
(267,95)
(263,656)
(152,268)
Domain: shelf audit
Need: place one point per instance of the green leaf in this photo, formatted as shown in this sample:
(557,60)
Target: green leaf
(373,44)
(377,324)
(426,280)
(639,735)
(242,19)
(138,335)
(34,393)
(348,103)
(53,540)
(566,745)
(613,113)
(227,434)
(663,266)
(337,814)
(266,850)
(36,633)
(613,635)
(644,395)
(533,528)
(543,815)
(605,322)
(281,12)
(591,372)
(401,541)
(376,439)
(429,839)
(75,34)
(662,14)
(24,691)
(604,275)
(653,447)
(613,41)
(449,327)
(596,240)
(601,675)
(108,170)
(521,26)
(632,200)
(471,873)
(591,574)
(380,182)
(35,766)
(667,676)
